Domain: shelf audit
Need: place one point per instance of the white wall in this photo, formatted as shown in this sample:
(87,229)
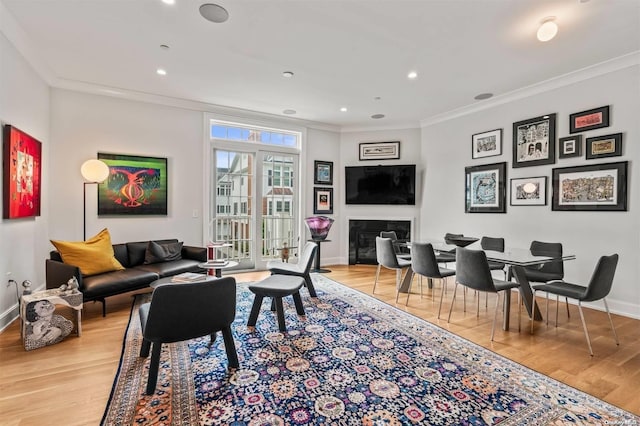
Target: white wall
(410,153)
(447,151)
(24,103)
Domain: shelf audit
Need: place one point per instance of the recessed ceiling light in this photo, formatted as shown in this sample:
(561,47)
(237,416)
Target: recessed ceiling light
(377,98)
(287,74)
(483,96)
(412,75)
(214,13)
(164,46)
(548,29)
(169,1)
(377,116)
(289,111)
(161,71)
(343,109)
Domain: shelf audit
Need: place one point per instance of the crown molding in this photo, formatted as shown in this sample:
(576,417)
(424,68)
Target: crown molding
(395,126)
(602,68)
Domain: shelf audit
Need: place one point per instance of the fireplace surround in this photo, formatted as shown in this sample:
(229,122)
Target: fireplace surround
(363,233)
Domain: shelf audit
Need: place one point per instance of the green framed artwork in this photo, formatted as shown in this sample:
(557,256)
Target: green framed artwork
(136,186)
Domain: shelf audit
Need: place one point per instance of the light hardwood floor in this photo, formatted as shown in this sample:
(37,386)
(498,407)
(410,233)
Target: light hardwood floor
(69,383)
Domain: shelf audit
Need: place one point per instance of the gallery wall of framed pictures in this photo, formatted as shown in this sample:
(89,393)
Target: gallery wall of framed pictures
(322,196)
(590,187)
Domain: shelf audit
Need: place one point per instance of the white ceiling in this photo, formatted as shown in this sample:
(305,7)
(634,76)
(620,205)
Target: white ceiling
(343,52)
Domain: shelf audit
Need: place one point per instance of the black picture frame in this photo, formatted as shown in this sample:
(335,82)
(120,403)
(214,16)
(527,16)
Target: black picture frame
(371,151)
(323,172)
(570,146)
(604,146)
(590,119)
(486,144)
(485,188)
(534,141)
(322,200)
(528,191)
(594,187)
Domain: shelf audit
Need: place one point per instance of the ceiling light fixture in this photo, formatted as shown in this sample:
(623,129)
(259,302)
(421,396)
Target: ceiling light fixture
(164,46)
(548,29)
(412,75)
(343,109)
(287,74)
(377,116)
(169,1)
(483,96)
(289,111)
(214,13)
(161,71)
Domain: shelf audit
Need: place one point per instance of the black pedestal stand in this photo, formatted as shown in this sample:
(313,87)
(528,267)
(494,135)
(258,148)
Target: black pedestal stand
(317,268)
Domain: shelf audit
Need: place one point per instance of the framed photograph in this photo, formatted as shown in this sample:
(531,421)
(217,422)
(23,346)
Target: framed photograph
(487,144)
(322,200)
(135,186)
(485,188)
(323,172)
(590,119)
(604,146)
(601,187)
(534,141)
(380,150)
(531,191)
(570,146)
(22,176)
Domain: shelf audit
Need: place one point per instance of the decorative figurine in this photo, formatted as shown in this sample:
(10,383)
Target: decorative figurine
(72,286)
(284,253)
(26,284)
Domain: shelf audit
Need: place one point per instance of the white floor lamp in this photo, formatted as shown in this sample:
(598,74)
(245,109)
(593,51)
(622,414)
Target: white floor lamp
(93,171)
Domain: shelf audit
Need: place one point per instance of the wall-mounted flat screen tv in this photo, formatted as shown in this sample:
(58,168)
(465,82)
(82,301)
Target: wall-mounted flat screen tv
(381,184)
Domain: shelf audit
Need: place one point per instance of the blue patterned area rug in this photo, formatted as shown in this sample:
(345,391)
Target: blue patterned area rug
(352,360)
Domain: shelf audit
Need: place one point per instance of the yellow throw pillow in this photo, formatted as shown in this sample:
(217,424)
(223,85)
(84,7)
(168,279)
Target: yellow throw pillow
(93,256)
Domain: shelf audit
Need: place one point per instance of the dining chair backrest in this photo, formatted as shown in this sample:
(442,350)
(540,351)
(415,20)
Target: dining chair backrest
(385,254)
(423,260)
(539,248)
(394,239)
(491,243)
(602,278)
(472,270)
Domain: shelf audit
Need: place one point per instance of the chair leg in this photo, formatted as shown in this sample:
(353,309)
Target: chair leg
(557,303)
(495,316)
(297,300)
(444,285)
(153,368)
(455,289)
(255,310)
(584,325)
(230,347)
(398,281)
(615,335)
(144,349)
(408,290)
(566,303)
(280,314)
(309,285)
(377,276)
(533,310)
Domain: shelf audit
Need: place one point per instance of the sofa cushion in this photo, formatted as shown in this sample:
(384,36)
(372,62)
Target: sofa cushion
(116,282)
(138,250)
(93,256)
(157,253)
(166,269)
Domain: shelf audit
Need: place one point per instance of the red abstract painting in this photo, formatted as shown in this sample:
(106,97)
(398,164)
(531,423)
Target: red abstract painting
(22,161)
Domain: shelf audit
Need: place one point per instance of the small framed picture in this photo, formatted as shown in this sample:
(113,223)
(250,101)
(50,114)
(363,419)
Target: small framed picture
(534,141)
(380,150)
(604,146)
(595,187)
(590,119)
(486,144)
(485,188)
(531,191)
(570,146)
(322,200)
(323,172)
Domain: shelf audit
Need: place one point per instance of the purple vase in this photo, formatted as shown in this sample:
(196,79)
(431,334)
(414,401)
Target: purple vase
(319,227)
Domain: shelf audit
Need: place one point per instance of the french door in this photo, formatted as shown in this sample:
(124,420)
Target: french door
(254,204)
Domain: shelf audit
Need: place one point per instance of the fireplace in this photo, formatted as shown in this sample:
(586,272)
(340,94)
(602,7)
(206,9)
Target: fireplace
(363,233)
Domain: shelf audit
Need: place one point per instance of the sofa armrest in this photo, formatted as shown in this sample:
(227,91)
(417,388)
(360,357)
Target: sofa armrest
(58,273)
(194,253)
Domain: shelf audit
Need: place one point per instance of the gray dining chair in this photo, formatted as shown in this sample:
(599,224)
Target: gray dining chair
(542,273)
(386,257)
(396,244)
(494,244)
(443,257)
(598,288)
(424,264)
(472,271)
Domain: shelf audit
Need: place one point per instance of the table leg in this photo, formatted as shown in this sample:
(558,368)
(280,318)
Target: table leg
(218,273)
(406,281)
(78,319)
(527,299)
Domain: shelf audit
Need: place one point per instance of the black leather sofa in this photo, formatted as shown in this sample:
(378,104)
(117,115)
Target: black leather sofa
(135,276)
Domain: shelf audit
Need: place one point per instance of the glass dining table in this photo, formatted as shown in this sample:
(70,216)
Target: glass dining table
(510,257)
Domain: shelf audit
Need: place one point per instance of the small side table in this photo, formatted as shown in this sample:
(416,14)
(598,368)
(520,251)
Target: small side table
(217,269)
(55,297)
(317,267)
